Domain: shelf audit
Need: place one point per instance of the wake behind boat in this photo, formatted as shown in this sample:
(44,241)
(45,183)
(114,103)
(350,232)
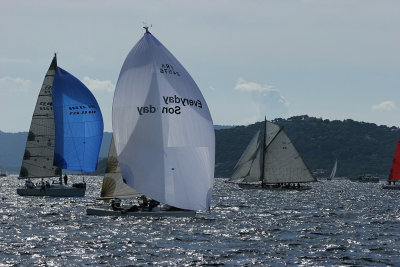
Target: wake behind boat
(394,176)
(65,133)
(271,161)
(163,136)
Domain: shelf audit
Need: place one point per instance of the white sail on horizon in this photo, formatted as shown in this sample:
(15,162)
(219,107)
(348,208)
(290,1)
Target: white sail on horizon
(333,173)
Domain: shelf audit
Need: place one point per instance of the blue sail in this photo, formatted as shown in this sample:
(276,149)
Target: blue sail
(78,122)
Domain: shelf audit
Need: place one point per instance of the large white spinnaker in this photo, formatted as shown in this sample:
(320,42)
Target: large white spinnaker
(163,130)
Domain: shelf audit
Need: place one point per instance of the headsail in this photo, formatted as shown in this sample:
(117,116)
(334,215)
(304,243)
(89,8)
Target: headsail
(163,130)
(395,169)
(113,185)
(248,168)
(283,164)
(39,150)
(78,124)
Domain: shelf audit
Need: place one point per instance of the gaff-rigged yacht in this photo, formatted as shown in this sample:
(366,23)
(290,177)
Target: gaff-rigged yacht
(271,161)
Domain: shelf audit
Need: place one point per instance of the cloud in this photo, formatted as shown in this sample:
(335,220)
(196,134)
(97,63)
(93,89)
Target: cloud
(98,85)
(12,84)
(245,86)
(266,100)
(384,106)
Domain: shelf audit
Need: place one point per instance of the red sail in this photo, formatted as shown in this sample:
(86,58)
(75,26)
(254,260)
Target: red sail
(395,170)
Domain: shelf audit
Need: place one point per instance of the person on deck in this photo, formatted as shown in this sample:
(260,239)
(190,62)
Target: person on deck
(42,185)
(65,179)
(116,204)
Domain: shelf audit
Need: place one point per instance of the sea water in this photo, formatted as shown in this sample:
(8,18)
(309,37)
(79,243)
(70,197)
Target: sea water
(337,222)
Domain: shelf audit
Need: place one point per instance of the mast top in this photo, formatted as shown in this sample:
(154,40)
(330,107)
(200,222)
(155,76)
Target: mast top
(146,27)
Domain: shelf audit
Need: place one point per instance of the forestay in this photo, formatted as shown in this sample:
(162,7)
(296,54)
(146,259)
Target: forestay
(163,130)
(39,150)
(113,184)
(79,124)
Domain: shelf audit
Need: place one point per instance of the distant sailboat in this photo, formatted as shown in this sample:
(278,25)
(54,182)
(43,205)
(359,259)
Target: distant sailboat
(3,174)
(162,129)
(333,173)
(271,161)
(394,175)
(65,133)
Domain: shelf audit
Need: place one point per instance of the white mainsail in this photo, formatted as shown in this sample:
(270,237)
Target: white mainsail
(163,131)
(39,149)
(113,186)
(283,164)
(333,173)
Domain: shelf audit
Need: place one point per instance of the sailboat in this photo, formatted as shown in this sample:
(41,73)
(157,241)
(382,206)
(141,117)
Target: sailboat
(333,173)
(394,175)
(65,133)
(114,187)
(163,130)
(271,161)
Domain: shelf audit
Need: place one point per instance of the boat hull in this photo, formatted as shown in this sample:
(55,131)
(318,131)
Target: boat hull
(59,191)
(157,213)
(275,187)
(393,187)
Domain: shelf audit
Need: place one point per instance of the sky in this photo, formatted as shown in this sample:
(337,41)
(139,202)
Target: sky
(337,59)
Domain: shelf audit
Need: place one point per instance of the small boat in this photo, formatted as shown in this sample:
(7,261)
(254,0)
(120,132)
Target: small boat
(3,174)
(271,161)
(394,176)
(333,173)
(65,133)
(366,178)
(163,134)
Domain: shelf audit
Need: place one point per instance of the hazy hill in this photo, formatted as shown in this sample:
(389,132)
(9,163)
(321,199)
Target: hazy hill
(359,147)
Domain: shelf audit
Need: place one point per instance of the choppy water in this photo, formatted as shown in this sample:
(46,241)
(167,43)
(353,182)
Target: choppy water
(335,223)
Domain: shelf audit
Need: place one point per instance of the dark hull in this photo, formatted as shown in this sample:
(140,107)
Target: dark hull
(54,191)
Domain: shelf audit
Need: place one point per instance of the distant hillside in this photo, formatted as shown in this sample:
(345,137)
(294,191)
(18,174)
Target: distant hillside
(359,147)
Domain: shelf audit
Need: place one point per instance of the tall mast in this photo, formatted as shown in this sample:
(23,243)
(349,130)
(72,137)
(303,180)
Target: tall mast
(263,151)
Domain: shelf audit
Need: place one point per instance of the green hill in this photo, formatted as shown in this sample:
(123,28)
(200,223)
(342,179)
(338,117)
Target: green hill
(359,147)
